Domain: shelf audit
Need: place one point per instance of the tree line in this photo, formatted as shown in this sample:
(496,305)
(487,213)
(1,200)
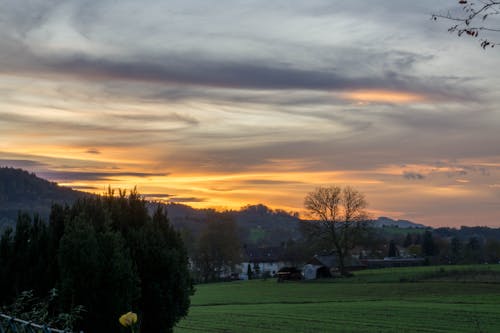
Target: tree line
(443,246)
(106,254)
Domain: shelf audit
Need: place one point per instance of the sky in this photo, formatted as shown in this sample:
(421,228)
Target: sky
(233,102)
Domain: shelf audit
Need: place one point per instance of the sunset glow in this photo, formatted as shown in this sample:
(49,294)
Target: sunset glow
(381,96)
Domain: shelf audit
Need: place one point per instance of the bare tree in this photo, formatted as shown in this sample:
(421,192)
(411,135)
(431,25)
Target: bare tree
(341,218)
(474,19)
(218,249)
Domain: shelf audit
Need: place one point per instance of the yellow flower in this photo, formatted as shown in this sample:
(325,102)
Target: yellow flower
(128,319)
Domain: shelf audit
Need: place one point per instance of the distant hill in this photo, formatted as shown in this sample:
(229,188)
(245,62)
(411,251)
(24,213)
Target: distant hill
(21,191)
(24,191)
(388,222)
(267,226)
(261,225)
(258,224)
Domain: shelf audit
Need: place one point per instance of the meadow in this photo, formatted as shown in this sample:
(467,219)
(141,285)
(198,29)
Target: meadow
(419,299)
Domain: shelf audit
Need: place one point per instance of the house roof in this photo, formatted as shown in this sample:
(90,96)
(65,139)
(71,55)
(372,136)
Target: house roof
(329,260)
(264,254)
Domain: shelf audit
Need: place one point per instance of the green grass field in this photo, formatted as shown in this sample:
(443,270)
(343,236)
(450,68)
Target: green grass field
(421,299)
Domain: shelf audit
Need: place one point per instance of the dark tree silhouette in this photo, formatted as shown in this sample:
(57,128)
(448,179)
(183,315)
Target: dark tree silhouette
(408,240)
(429,248)
(393,250)
(456,250)
(342,219)
(249,272)
(107,254)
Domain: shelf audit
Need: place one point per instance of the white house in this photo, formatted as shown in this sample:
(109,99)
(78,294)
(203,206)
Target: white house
(262,262)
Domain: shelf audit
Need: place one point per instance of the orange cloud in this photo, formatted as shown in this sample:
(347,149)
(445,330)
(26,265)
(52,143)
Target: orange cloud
(382,96)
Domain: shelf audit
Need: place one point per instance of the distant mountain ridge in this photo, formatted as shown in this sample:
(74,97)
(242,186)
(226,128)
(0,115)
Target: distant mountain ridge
(388,222)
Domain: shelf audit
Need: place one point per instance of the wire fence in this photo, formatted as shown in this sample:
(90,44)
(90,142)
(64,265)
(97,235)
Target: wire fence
(10,324)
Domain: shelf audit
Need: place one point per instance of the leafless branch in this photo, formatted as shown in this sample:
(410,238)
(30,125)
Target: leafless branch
(473,20)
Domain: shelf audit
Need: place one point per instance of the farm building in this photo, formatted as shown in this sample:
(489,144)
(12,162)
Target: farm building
(320,266)
(326,265)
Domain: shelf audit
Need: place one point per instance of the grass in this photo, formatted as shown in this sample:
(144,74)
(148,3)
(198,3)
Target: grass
(419,299)
(463,273)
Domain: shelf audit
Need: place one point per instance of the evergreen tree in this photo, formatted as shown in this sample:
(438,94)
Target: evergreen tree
(57,218)
(6,257)
(162,264)
(455,250)
(20,269)
(104,253)
(119,282)
(38,257)
(408,240)
(428,245)
(249,272)
(393,250)
(80,274)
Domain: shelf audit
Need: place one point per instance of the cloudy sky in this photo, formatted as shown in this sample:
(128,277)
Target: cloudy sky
(227,103)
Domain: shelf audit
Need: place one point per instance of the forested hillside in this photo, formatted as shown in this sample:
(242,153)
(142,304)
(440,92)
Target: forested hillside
(24,191)
(257,224)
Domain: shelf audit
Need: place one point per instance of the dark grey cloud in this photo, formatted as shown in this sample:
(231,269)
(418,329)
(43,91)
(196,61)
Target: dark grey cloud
(320,67)
(270,182)
(156,195)
(172,198)
(394,73)
(246,75)
(249,76)
(22,164)
(167,116)
(47,163)
(480,170)
(83,187)
(411,175)
(222,189)
(93,176)
(186,199)
(94,151)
